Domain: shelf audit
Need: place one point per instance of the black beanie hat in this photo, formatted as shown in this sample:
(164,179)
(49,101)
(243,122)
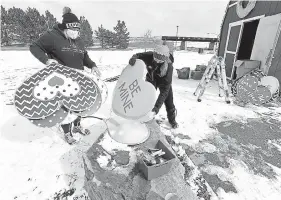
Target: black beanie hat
(69,19)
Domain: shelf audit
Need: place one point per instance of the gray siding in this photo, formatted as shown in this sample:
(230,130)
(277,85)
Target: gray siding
(275,68)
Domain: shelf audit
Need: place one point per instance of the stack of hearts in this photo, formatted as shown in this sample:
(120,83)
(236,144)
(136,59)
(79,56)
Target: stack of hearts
(256,88)
(56,92)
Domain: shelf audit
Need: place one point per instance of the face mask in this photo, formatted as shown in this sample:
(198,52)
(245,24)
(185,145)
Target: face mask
(72,34)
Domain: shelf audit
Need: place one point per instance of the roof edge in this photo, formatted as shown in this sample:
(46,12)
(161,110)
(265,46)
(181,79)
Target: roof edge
(225,13)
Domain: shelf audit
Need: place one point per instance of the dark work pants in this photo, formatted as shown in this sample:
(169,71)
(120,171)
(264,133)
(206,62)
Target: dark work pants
(170,106)
(169,102)
(67,127)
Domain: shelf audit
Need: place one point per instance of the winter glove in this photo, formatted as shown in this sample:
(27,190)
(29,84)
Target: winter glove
(49,61)
(148,117)
(96,71)
(151,115)
(132,61)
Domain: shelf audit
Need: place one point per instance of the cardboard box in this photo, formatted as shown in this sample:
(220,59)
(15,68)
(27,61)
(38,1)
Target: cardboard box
(245,66)
(155,171)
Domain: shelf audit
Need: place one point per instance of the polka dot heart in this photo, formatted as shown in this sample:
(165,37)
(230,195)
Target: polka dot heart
(47,97)
(52,120)
(56,83)
(248,91)
(254,87)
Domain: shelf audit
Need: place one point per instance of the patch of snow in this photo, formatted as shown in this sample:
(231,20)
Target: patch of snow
(219,171)
(110,145)
(205,147)
(246,183)
(103,160)
(195,118)
(96,181)
(124,169)
(190,59)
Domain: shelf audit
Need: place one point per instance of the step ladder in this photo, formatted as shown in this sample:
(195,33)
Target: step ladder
(216,63)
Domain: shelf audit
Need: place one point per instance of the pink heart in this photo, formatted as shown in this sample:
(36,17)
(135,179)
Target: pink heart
(133,97)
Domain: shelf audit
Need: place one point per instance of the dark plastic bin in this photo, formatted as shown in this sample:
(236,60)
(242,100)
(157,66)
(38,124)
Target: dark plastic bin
(197,75)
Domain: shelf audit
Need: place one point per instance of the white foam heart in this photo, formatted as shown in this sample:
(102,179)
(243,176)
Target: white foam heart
(133,97)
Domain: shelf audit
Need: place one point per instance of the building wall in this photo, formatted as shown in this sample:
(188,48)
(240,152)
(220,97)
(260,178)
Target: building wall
(275,68)
(266,8)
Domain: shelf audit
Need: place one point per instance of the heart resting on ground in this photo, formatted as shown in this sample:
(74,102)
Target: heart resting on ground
(133,97)
(47,97)
(249,91)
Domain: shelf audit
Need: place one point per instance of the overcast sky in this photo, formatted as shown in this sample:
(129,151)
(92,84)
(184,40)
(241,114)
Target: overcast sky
(194,18)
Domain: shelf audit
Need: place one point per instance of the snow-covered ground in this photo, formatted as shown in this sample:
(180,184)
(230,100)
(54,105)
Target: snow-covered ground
(37,164)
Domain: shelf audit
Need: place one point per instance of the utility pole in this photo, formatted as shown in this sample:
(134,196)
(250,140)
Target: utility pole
(177,37)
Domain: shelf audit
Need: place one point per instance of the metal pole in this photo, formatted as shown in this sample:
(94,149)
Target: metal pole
(177,37)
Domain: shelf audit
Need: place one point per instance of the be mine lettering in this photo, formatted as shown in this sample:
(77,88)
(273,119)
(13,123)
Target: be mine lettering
(127,94)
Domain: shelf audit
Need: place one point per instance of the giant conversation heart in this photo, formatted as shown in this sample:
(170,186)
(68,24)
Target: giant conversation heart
(255,73)
(249,91)
(48,96)
(133,97)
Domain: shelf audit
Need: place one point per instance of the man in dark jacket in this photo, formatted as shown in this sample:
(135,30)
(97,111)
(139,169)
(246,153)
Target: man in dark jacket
(159,73)
(62,45)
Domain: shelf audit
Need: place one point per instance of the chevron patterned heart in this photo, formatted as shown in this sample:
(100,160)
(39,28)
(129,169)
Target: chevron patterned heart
(75,92)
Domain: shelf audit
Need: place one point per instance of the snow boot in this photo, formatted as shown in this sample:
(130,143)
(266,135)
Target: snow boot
(171,114)
(69,138)
(174,124)
(81,130)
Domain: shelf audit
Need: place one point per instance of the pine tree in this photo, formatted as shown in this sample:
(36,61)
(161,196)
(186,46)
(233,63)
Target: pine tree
(101,34)
(109,39)
(24,26)
(112,39)
(5,40)
(13,25)
(106,38)
(50,20)
(86,32)
(122,35)
(35,24)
